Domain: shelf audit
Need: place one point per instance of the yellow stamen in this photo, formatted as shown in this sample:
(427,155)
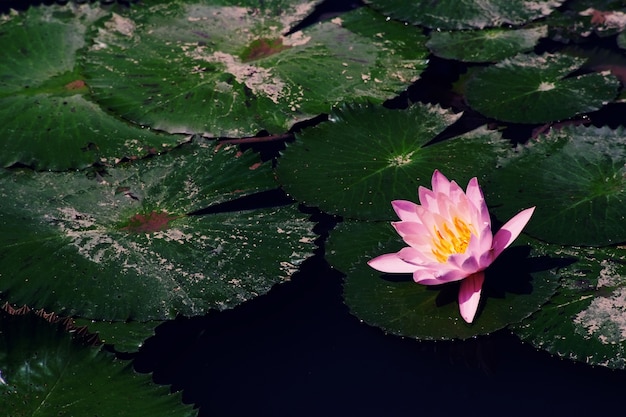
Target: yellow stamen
(449,241)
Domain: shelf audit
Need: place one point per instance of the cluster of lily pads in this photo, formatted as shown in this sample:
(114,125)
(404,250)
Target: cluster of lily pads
(125,201)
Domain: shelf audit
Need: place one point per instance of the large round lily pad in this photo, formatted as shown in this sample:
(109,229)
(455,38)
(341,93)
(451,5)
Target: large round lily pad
(119,245)
(45,371)
(576,177)
(47,120)
(366,156)
(586,320)
(229,68)
(125,336)
(487,45)
(465,14)
(516,285)
(531,88)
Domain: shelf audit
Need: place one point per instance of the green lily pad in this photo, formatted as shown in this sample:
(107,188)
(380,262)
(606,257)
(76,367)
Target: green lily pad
(120,246)
(517,284)
(586,320)
(366,156)
(45,371)
(124,336)
(576,177)
(364,236)
(228,68)
(465,14)
(46,118)
(488,45)
(538,89)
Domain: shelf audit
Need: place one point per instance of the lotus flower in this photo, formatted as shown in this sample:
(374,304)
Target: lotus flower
(450,239)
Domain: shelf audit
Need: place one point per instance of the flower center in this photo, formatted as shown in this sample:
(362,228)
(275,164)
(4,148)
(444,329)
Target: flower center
(451,240)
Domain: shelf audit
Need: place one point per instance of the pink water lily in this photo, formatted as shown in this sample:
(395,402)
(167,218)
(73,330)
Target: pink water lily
(450,239)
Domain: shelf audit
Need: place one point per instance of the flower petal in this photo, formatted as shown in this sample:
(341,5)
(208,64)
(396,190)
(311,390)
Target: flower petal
(426,276)
(456,193)
(474,192)
(439,273)
(390,263)
(440,183)
(405,210)
(408,228)
(476,197)
(469,295)
(452,274)
(510,231)
(427,198)
(413,256)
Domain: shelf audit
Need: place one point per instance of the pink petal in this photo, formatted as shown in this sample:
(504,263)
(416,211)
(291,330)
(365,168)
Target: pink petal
(440,183)
(482,250)
(405,228)
(420,240)
(451,275)
(469,295)
(456,193)
(510,231)
(444,205)
(475,195)
(474,192)
(390,263)
(427,198)
(471,265)
(405,210)
(478,247)
(413,256)
(426,276)
(485,240)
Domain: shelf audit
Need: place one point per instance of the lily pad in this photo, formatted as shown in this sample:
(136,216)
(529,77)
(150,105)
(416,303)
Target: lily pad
(465,14)
(586,320)
(576,177)
(46,118)
(45,371)
(517,284)
(364,236)
(124,336)
(229,68)
(365,156)
(487,45)
(120,246)
(538,89)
